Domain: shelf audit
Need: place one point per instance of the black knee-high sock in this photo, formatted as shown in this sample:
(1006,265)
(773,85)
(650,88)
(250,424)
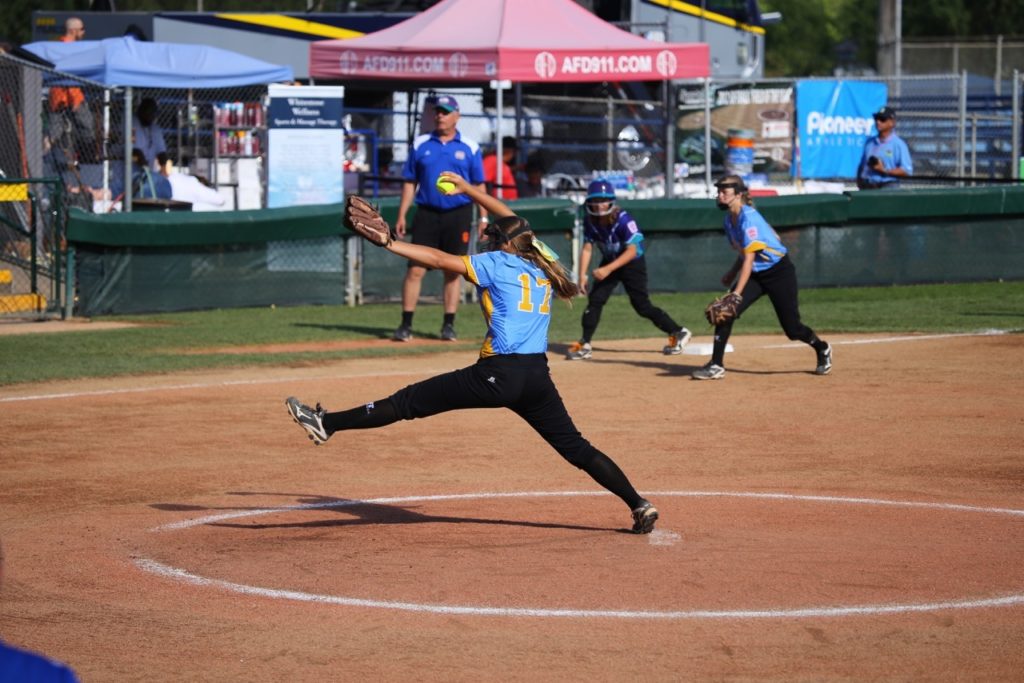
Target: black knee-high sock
(606,473)
(369,416)
(815,342)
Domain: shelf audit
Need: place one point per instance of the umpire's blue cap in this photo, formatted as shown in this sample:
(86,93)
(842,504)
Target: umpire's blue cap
(447,103)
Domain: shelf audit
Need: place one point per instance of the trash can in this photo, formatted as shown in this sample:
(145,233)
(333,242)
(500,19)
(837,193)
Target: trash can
(739,152)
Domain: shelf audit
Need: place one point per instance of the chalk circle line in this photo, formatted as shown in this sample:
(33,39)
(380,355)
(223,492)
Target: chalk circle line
(181,575)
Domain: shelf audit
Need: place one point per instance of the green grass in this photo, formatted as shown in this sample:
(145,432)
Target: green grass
(158,346)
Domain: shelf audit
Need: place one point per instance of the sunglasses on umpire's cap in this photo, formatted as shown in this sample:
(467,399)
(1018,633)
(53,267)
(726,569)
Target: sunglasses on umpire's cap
(446,103)
(884,114)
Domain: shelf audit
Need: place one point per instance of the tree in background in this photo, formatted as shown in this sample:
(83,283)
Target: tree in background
(805,42)
(802,44)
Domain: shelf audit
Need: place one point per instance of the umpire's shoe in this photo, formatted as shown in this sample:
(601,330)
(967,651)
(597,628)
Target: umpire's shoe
(644,518)
(309,419)
(824,361)
(676,341)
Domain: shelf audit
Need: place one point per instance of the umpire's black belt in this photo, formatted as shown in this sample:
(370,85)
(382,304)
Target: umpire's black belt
(434,209)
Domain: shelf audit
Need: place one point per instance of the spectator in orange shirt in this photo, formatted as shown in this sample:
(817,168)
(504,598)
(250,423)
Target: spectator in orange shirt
(70,98)
(74,29)
(74,130)
(508,178)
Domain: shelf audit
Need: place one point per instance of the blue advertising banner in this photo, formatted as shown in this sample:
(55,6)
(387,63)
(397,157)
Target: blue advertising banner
(834,120)
(306,143)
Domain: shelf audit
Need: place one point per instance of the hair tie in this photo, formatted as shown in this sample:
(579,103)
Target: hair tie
(544,250)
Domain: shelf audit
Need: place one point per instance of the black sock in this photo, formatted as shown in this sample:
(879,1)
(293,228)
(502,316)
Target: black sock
(449,319)
(369,416)
(605,472)
(407,318)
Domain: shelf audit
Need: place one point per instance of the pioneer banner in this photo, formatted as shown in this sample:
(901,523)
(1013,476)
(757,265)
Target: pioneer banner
(834,120)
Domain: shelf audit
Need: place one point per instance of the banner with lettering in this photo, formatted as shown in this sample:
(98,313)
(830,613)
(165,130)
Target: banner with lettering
(834,120)
(305,145)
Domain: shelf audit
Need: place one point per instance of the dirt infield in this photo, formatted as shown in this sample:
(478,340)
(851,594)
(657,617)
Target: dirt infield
(866,525)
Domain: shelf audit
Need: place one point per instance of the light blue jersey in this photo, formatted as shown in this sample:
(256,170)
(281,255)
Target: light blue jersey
(893,153)
(515,296)
(751,233)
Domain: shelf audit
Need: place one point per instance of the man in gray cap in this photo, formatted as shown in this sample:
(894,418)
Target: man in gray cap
(442,221)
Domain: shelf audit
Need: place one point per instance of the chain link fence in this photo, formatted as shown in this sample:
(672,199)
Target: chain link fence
(76,130)
(32,248)
(670,141)
(992,63)
(68,138)
(675,141)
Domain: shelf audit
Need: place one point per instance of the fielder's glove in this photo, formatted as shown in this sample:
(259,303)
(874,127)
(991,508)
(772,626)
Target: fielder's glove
(362,218)
(723,309)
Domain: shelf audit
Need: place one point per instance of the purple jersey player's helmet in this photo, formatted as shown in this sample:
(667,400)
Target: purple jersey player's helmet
(600,193)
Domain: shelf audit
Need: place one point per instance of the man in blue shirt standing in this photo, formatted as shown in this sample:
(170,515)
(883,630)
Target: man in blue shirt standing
(886,157)
(442,221)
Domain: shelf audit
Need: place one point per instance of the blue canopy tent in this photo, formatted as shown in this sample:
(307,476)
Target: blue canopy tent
(127,62)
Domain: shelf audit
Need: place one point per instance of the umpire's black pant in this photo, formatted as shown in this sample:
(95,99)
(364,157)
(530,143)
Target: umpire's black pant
(779,283)
(633,277)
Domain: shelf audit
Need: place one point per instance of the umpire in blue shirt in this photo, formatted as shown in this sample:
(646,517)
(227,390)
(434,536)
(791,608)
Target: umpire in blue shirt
(441,221)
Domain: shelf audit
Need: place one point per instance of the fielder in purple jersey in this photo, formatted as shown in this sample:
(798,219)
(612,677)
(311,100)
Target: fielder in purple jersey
(621,244)
(516,280)
(762,267)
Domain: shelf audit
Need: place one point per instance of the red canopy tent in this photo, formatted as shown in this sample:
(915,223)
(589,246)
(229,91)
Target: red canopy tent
(523,41)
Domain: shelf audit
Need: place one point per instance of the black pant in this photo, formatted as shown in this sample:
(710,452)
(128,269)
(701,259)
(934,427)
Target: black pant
(521,383)
(633,277)
(779,283)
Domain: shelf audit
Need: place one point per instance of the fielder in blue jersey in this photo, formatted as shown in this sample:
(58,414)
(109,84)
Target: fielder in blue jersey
(762,267)
(20,666)
(516,280)
(24,666)
(886,157)
(617,236)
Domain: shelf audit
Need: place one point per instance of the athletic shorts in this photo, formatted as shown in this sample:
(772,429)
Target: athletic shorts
(444,230)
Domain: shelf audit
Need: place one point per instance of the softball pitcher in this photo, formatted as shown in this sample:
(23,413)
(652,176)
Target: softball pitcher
(515,280)
(762,267)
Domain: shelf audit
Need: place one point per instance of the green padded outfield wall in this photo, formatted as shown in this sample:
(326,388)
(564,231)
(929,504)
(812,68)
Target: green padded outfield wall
(153,261)
(859,238)
(147,262)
